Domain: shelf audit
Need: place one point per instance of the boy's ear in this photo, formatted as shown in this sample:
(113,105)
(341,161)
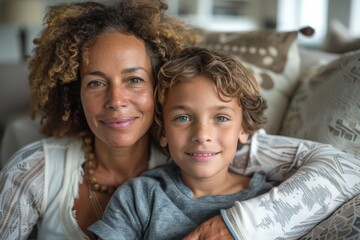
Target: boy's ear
(243,136)
(163,140)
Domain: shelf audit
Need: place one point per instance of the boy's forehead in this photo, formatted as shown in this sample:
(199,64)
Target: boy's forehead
(196,87)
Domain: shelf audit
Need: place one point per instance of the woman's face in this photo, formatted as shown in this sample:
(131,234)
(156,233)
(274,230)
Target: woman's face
(117,89)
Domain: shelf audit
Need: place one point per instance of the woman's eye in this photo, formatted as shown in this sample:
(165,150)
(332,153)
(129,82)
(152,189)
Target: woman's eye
(95,84)
(182,119)
(135,80)
(221,119)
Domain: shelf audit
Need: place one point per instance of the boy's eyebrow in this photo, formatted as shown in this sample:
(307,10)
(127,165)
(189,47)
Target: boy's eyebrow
(185,107)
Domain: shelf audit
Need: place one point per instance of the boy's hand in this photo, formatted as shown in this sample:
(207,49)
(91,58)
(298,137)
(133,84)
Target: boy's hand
(212,229)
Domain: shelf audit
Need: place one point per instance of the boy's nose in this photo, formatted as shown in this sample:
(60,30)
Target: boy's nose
(201,133)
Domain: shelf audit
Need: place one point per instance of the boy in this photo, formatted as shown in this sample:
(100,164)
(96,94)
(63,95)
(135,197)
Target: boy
(207,102)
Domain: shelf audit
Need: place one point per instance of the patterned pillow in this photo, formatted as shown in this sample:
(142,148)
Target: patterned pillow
(274,59)
(326,106)
(344,223)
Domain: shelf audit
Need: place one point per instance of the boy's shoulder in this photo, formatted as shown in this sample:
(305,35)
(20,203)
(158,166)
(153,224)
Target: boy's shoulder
(154,183)
(161,171)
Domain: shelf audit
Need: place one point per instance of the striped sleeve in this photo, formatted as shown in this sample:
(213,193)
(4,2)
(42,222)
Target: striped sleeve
(318,180)
(21,192)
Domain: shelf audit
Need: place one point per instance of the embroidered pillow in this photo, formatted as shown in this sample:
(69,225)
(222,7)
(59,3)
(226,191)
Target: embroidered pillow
(344,223)
(326,106)
(274,59)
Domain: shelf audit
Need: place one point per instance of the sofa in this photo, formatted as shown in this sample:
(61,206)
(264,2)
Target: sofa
(311,94)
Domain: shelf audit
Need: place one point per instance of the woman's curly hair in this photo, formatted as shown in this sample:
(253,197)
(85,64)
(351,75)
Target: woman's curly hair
(231,78)
(69,30)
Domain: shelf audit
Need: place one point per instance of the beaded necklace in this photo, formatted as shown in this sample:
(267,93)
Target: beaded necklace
(90,166)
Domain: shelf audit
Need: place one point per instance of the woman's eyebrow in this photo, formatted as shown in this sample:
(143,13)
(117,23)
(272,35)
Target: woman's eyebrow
(127,70)
(134,69)
(95,73)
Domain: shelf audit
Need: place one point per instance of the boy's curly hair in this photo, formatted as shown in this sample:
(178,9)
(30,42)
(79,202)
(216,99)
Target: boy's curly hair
(230,77)
(69,30)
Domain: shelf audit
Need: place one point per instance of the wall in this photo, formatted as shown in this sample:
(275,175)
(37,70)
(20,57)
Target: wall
(10,50)
(339,9)
(262,12)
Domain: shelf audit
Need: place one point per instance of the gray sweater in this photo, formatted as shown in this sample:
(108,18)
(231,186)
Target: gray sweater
(157,205)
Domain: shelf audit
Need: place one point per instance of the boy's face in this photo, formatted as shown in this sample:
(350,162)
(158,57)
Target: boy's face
(201,130)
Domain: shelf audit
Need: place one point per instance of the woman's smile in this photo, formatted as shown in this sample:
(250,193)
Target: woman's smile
(119,123)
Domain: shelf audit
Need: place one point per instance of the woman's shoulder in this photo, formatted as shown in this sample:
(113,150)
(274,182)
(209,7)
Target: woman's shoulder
(35,152)
(153,183)
(26,155)
(59,143)
(158,177)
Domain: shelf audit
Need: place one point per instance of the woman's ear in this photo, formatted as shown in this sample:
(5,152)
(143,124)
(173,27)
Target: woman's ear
(163,141)
(243,136)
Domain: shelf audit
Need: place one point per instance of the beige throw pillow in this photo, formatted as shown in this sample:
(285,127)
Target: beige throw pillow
(326,106)
(344,223)
(274,59)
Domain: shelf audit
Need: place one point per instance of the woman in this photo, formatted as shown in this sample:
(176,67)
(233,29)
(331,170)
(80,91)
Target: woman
(92,81)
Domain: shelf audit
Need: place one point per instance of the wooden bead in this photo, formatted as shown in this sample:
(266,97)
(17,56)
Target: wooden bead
(87,140)
(95,187)
(91,157)
(103,188)
(92,179)
(91,164)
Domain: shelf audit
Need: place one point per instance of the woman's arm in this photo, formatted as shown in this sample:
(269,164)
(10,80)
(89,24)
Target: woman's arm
(21,192)
(321,178)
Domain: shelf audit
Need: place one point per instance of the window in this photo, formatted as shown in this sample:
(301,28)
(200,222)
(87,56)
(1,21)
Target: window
(355,18)
(294,14)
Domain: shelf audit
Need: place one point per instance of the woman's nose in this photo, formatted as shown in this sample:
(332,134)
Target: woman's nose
(201,133)
(117,97)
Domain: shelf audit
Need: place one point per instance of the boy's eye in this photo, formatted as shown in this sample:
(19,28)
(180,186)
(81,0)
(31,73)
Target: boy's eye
(182,119)
(221,119)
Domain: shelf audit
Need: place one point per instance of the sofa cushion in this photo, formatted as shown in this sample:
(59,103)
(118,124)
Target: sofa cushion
(326,106)
(344,223)
(274,59)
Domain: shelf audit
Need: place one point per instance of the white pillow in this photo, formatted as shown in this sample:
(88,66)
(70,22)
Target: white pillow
(326,107)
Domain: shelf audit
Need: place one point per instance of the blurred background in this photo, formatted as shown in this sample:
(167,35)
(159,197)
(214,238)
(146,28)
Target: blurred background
(334,21)
(20,20)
